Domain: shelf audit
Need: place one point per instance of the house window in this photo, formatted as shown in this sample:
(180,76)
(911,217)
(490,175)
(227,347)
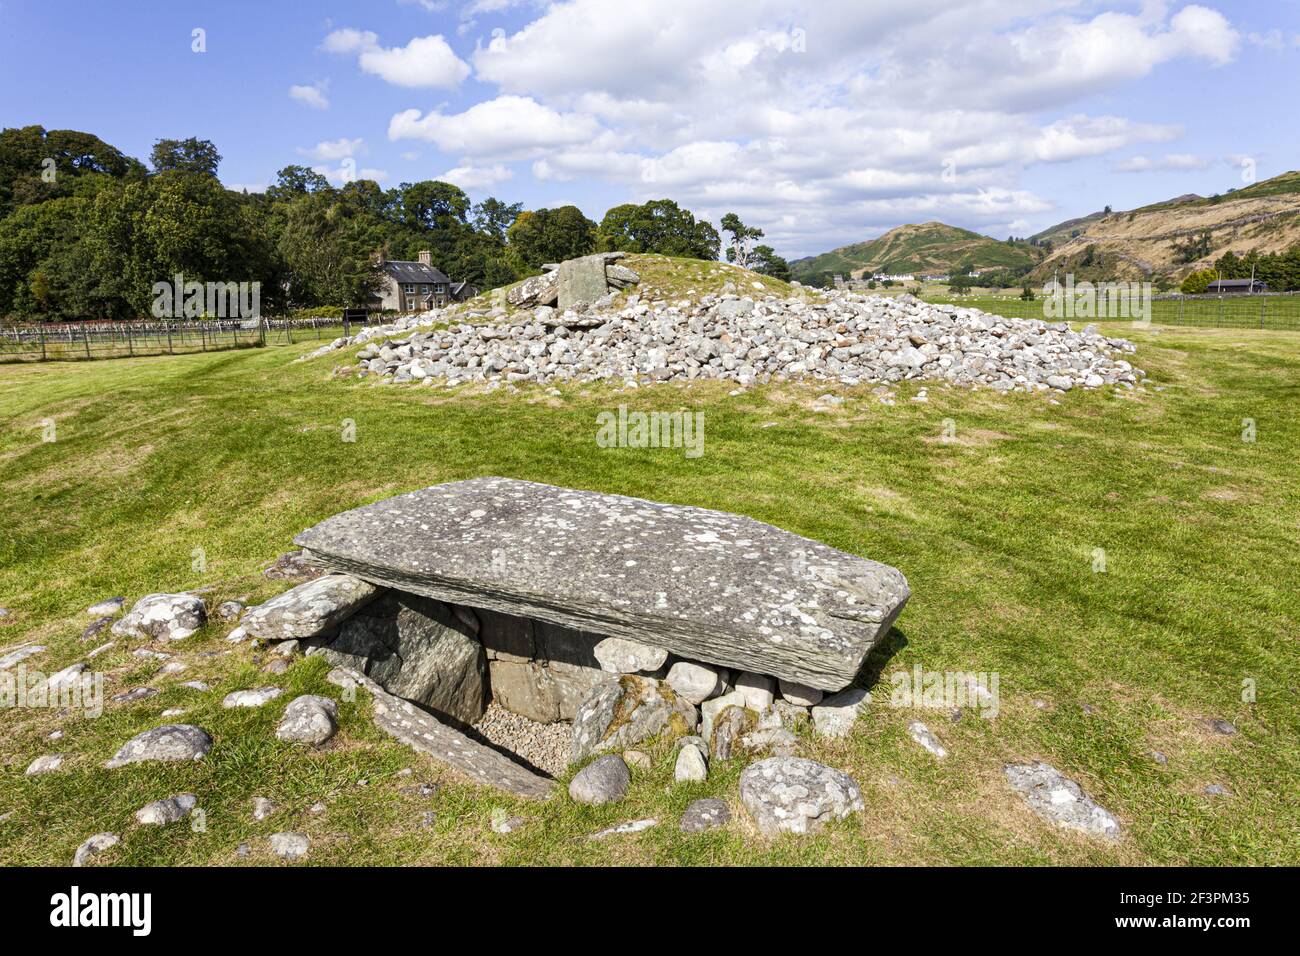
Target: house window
(409,288)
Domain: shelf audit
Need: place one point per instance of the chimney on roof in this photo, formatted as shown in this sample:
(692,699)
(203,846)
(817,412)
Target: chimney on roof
(426,258)
(379,256)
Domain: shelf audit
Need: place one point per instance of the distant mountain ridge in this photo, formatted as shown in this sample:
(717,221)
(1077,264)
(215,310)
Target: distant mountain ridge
(1169,238)
(928,247)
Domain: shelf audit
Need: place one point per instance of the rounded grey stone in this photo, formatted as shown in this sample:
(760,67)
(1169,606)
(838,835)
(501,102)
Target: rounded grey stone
(170,810)
(310,719)
(705,814)
(169,743)
(604,780)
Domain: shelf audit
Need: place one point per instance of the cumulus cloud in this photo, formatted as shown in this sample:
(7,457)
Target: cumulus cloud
(313,95)
(1170,162)
(477,177)
(424,61)
(347,172)
(507,127)
(331,150)
(820,121)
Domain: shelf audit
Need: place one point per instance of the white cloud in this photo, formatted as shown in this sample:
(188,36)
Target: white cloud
(1170,162)
(313,95)
(423,62)
(331,150)
(477,177)
(819,120)
(347,172)
(508,127)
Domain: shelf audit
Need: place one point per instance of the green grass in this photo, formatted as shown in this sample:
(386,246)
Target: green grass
(1271,313)
(235,452)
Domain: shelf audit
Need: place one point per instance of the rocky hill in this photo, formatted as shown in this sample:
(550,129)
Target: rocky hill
(1177,236)
(917,248)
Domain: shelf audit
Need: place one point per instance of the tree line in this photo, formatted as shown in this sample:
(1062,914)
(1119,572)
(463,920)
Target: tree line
(86,231)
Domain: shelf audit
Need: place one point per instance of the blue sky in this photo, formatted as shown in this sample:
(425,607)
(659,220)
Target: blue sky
(822,122)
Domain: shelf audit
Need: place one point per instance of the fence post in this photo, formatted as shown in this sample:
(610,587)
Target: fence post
(85,337)
(43,356)
(203,338)
(130,346)
(1263,308)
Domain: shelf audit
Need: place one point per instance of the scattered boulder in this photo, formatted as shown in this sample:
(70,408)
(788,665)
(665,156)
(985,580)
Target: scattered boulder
(922,735)
(796,795)
(691,766)
(230,610)
(263,808)
(697,682)
(94,846)
(251,698)
(97,627)
(623,712)
(68,677)
(171,810)
(1221,726)
(634,826)
(503,822)
(106,608)
(310,609)
(309,719)
(131,696)
(1062,801)
(293,566)
(171,742)
(704,814)
(618,655)
(835,716)
(169,617)
(604,780)
(46,763)
(289,845)
(19,654)
(638,759)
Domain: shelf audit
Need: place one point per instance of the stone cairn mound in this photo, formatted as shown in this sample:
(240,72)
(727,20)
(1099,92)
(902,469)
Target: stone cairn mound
(628,618)
(570,327)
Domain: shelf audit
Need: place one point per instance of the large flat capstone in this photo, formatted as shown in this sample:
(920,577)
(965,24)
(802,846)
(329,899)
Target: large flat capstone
(706,585)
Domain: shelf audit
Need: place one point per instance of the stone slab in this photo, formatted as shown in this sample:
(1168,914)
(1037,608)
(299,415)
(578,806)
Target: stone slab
(422,731)
(706,585)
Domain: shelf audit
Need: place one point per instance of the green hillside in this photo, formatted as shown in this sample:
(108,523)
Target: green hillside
(923,248)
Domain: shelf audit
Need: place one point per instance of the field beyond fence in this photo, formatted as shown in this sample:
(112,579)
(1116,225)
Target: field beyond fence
(95,340)
(1267,312)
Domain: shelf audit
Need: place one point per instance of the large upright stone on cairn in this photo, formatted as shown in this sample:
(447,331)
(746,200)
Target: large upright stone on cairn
(581,282)
(706,585)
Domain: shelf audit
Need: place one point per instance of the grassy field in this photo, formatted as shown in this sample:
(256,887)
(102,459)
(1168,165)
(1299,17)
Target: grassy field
(1268,313)
(233,453)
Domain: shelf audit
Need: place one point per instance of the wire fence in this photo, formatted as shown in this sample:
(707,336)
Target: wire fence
(82,341)
(1269,312)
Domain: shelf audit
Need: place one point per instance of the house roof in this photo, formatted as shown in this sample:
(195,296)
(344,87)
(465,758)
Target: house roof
(1236,283)
(404,271)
